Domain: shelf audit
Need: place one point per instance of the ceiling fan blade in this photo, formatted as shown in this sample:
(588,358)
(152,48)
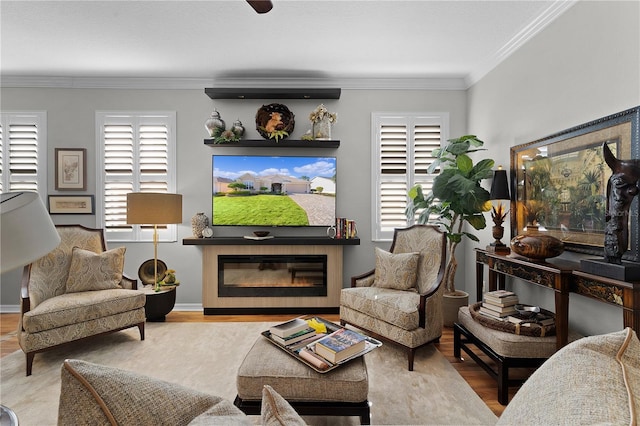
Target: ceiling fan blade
(261,6)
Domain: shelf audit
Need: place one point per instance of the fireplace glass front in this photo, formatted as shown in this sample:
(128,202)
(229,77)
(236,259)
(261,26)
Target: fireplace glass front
(272,275)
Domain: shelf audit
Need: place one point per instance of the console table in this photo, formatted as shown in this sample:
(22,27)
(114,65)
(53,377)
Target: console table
(563,277)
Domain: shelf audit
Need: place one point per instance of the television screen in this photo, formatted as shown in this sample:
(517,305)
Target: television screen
(252,190)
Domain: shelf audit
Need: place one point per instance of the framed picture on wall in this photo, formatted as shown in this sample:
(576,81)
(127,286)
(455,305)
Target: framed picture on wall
(71,204)
(560,182)
(71,169)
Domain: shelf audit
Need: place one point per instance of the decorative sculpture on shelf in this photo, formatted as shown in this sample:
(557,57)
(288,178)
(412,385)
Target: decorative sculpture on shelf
(623,186)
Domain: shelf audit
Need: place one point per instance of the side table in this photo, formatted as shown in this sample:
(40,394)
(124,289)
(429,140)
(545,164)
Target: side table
(158,304)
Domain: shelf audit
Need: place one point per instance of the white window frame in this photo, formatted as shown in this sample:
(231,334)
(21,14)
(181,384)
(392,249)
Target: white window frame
(138,233)
(29,118)
(410,120)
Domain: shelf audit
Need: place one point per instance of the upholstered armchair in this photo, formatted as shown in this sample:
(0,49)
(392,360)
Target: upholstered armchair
(400,301)
(76,291)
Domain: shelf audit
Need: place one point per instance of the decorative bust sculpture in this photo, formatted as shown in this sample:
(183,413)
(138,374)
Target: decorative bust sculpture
(623,185)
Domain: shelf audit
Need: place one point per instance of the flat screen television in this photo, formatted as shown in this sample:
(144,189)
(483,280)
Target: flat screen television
(254,190)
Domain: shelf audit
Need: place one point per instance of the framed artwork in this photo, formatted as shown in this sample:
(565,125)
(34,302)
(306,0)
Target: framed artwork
(71,169)
(71,204)
(560,182)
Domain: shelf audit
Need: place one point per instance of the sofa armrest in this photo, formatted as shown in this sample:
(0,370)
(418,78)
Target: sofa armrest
(363,280)
(97,394)
(129,283)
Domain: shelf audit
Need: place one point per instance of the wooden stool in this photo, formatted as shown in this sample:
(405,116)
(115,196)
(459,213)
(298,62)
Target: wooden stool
(340,392)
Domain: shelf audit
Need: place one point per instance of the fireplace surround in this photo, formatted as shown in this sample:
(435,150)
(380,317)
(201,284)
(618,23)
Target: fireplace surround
(213,248)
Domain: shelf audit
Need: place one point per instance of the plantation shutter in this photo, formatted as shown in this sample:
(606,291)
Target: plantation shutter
(138,156)
(404,152)
(23,152)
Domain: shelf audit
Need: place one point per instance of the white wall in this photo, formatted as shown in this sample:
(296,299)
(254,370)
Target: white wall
(71,124)
(584,66)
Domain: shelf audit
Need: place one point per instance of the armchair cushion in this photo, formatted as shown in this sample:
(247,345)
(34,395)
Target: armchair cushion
(91,271)
(396,307)
(397,271)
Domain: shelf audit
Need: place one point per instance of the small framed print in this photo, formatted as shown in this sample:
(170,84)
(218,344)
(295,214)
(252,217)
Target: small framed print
(71,204)
(71,169)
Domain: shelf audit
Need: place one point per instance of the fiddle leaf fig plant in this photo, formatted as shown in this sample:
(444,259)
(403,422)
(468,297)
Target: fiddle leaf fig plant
(456,197)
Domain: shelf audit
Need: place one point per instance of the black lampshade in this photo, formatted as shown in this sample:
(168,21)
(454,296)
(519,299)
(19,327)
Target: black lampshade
(499,186)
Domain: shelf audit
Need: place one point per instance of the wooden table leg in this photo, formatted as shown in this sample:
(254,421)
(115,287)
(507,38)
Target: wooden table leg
(562,318)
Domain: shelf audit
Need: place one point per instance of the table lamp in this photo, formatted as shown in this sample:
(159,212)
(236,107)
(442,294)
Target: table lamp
(499,191)
(153,208)
(28,233)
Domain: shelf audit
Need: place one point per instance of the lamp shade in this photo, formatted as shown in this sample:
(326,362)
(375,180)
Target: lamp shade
(26,230)
(154,208)
(499,186)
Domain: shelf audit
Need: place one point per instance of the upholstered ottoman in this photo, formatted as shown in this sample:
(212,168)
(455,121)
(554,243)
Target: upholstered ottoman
(340,392)
(507,350)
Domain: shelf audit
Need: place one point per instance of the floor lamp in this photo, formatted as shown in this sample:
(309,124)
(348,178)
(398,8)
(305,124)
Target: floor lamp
(27,233)
(154,208)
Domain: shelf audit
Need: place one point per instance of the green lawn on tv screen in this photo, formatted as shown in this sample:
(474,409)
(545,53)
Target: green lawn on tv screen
(276,210)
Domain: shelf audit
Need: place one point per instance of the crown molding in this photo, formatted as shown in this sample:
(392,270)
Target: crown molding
(439,83)
(517,41)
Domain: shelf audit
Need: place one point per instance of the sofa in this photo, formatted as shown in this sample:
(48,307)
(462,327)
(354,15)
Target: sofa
(76,291)
(93,394)
(594,380)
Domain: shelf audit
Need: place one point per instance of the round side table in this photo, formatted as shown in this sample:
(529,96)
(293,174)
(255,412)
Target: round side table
(158,304)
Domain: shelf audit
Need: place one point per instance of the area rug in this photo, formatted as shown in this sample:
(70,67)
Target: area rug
(206,357)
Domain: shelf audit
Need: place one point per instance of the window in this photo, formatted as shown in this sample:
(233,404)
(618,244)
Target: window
(137,154)
(402,154)
(23,152)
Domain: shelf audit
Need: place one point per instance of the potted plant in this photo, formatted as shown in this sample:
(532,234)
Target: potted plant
(456,197)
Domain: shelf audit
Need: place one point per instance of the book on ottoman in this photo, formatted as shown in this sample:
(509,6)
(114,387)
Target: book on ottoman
(295,337)
(340,345)
(288,328)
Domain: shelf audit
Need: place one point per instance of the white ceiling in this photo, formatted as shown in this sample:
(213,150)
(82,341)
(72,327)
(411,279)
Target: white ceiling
(297,40)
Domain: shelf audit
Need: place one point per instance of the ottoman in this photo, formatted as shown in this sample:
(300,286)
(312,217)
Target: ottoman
(340,392)
(507,350)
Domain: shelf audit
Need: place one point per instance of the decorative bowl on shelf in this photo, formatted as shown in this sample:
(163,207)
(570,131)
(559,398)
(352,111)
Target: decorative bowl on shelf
(275,121)
(260,233)
(536,245)
(527,311)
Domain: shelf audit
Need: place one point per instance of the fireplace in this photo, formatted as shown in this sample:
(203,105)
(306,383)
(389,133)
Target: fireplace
(281,297)
(272,275)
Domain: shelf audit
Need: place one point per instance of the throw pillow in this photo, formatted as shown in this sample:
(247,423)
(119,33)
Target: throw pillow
(397,271)
(95,271)
(276,411)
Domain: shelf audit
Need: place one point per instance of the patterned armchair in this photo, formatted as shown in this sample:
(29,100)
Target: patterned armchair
(401,300)
(76,291)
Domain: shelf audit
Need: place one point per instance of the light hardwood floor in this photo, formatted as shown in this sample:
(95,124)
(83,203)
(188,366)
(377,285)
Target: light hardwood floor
(475,376)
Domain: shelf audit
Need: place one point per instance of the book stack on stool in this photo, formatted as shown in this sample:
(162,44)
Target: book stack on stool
(499,304)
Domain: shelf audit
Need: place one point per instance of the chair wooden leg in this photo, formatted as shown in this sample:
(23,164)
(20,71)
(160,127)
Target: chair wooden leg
(30,356)
(141,328)
(410,355)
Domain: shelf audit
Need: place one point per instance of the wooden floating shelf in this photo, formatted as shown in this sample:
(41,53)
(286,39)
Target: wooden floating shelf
(264,143)
(272,93)
(276,241)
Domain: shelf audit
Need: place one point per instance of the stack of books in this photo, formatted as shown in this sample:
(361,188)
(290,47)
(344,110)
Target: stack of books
(291,332)
(499,304)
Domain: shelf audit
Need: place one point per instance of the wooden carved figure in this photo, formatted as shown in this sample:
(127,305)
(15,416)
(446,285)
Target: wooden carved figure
(623,185)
